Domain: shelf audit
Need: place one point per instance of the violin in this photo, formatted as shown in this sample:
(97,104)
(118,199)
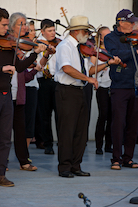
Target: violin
(9,42)
(133,35)
(54,42)
(88,49)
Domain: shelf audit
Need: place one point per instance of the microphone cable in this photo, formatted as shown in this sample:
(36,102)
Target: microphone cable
(81,195)
(121,198)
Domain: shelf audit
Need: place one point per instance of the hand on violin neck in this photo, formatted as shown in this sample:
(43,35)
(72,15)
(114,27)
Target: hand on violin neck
(39,67)
(114,61)
(8,69)
(40,48)
(46,54)
(50,49)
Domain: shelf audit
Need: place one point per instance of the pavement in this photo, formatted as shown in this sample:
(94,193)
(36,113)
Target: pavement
(44,188)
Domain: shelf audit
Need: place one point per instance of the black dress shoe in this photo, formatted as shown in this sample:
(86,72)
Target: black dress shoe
(110,150)
(80,173)
(49,151)
(99,151)
(66,174)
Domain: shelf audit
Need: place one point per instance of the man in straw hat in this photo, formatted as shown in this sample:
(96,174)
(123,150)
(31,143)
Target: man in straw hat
(72,74)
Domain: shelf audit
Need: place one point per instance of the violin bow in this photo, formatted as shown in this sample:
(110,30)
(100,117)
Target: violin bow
(17,43)
(96,64)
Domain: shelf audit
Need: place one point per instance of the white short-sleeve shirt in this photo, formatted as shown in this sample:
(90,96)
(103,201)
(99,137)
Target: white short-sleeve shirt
(103,77)
(67,54)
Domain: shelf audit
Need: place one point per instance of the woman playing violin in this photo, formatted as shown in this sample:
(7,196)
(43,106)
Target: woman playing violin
(103,126)
(18,20)
(31,95)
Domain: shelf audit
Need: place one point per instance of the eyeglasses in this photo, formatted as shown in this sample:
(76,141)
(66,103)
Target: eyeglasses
(21,24)
(129,22)
(87,31)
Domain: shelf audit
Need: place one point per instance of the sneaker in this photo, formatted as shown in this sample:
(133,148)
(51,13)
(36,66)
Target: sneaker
(99,151)
(49,150)
(5,182)
(110,150)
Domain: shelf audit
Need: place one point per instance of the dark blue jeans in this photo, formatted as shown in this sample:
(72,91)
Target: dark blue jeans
(124,123)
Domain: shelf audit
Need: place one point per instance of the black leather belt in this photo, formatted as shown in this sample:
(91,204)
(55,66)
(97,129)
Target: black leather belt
(72,86)
(79,87)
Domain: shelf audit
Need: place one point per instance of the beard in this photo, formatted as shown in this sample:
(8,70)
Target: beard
(82,39)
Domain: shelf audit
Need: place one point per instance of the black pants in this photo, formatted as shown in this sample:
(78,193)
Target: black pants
(88,92)
(20,143)
(103,126)
(72,114)
(46,104)
(30,110)
(124,123)
(6,119)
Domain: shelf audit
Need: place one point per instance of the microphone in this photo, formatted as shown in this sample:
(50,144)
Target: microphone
(57,22)
(85,199)
(125,39)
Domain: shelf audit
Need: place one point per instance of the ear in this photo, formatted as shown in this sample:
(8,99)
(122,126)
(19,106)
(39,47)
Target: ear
(42,31)
(121,23)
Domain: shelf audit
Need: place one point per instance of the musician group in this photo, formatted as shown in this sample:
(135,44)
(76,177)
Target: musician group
(58,74)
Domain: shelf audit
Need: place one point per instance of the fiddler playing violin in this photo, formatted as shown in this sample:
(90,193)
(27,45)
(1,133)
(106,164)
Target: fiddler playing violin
(103,97)
(17,28)
(46,92)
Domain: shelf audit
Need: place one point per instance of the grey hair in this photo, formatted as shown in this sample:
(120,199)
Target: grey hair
(13,18)
(117,24)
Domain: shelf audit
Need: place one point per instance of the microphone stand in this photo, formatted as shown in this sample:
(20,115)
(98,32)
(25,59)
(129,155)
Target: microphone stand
(87,204)
(86,201)
(135,61)
(134,200)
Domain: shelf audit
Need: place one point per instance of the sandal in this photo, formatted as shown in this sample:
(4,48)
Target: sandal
(28,167)
(130,164)
(115,166)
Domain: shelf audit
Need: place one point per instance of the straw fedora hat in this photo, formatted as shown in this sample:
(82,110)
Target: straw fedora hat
(79,22)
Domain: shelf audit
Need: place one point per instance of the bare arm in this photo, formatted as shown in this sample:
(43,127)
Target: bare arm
(78,75)
(116,61)
(45,57)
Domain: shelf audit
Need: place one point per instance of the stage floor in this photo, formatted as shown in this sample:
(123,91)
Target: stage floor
(44,188)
